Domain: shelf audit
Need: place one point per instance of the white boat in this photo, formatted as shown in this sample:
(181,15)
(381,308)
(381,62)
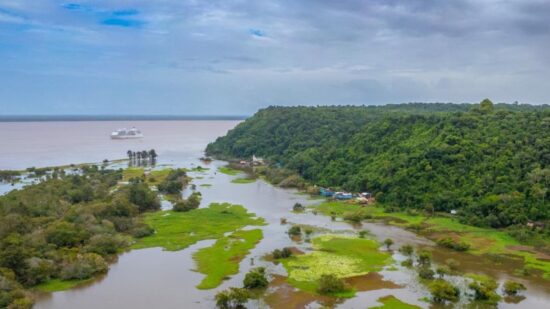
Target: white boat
(126,134)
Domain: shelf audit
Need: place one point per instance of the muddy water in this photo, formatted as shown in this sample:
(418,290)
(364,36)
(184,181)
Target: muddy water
(156,278)
(143,278)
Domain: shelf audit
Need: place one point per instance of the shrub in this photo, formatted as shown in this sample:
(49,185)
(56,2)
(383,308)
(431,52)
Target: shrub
(443,270)
(295,230)
(142,230)
(388,242)
(407,263)
(424,257)
(442,291)
(452,264)
(406,250)
(192,202)
(298,207)
(353,216)
(105,244)
(232,298)
(450,243)
(512,288)
(282,254)
(425,272)
(485,289)
(330,284)
(255,279)
(363,233)
(83,266)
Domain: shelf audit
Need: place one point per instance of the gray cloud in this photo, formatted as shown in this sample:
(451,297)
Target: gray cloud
(235,56)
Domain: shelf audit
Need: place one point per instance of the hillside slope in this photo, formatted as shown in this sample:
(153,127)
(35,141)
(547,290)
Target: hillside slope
(490,162)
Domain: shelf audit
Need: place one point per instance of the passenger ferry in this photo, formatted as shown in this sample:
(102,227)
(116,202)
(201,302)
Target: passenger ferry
(126,134)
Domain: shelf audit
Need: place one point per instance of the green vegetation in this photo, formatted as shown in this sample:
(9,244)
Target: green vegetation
(243,180)
(178,230)
(171,182)
(512,288)
(190,203)
(281,253)
(340,256)
(484,289)
(489,162)
(60,285)
(63,230)
(477,240)
(232,298)
(329,284)
(391,302)
(228,170)
(133,172)
(255,279)
(442,291)
(222,259)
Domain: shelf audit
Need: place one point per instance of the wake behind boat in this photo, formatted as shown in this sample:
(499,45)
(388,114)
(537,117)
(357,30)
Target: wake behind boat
(126,134)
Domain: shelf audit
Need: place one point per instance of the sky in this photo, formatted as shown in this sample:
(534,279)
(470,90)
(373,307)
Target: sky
(232,57)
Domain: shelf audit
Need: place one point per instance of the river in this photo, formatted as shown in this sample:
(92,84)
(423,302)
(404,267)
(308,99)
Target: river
(149,278)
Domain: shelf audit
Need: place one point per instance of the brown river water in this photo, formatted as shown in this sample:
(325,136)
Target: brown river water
(150,278)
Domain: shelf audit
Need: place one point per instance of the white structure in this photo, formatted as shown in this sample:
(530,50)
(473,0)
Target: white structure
(257,160)
(126,134)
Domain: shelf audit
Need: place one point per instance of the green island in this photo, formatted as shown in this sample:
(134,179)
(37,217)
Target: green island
(222,259)
(337,255)
(391,302)
(178,230)
(229,170)
(243,180)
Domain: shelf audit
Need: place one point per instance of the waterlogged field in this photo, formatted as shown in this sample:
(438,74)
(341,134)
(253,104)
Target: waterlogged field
(178,230)
(481,241)
(222,259)
(337,255)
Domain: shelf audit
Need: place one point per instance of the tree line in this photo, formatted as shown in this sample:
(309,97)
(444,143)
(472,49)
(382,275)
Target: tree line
(490,162)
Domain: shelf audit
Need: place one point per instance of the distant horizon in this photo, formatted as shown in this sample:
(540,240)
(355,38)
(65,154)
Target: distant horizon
(91,117)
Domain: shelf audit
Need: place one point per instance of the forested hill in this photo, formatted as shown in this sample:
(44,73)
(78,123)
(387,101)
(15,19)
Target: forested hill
(490,162)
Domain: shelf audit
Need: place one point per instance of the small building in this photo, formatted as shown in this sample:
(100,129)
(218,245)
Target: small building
(257,160)
(326,192)
(453,212)
(343,196)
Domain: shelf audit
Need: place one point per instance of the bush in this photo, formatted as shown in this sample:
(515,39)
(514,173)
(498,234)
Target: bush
(295,230)
(512,288)
(298,207)
(282,254)
(407,263)
(192,202)
(255,279)
(330,284)
(83,266)
(65,234)
(388,242)
(450,243)
(424,257)
(353,216)
(106,244)
(142,230)
(232,298)
(406,250)
(442,291)
(363,233)
(485,289)
(425,272)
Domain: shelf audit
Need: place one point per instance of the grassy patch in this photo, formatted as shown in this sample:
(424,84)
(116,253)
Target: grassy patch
(206,185)
(178,230)
(391,302)
(223,258)
(157,176)
(341,256)
(243,180)
(132,172)
(55,285)
(228,170)
(481,240)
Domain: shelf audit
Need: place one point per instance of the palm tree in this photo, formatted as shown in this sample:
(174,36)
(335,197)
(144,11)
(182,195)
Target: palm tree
(153,154)
(129,153)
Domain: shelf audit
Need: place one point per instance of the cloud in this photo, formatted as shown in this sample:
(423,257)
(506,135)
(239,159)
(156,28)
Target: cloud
(256,32)
(276,52)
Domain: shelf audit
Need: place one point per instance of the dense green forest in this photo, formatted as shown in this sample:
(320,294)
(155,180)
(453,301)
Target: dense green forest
(490,162)
(68,228)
